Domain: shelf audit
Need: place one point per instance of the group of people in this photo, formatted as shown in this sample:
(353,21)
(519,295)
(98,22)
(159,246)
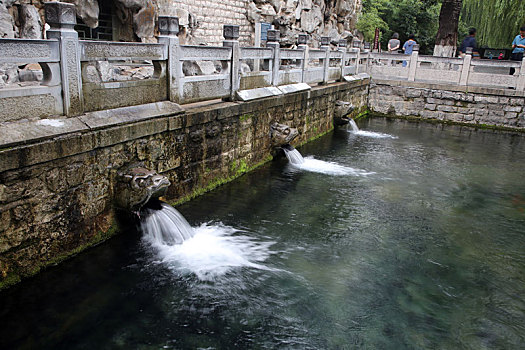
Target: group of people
(408,46)
(518,45)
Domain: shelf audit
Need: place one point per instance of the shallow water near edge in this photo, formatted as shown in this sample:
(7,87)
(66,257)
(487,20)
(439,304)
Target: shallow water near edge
(423,249)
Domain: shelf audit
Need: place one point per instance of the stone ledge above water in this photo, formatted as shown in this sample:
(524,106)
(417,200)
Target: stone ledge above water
(17,133)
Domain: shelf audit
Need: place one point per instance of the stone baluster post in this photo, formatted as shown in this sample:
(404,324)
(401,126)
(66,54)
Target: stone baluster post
(520,85)
(342,47)
(61,18)
(168,31)
(301,45)
(413,63)
(465,69)
(366,52)
(273,42)
(231,35)
(356,47)
(325,46)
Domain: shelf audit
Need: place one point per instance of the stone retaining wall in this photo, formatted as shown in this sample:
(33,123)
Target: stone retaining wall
(56,191)
(469,105)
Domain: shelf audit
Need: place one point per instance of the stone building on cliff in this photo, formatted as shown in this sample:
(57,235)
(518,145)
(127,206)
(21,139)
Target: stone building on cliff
(200,21)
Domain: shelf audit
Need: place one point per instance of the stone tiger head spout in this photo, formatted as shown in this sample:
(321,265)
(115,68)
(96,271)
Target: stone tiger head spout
(137,185)
(341,112)
(282,134)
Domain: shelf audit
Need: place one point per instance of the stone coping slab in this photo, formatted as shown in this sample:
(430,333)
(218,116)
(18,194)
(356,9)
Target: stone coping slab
(360,76)
(291,88)
(253,94)
(125,115)
(17,133)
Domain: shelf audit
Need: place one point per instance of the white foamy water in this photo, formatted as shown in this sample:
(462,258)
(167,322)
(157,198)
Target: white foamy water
(293,155)
(318,166)
(329,168)
(213,251)
(378,135)
(165,226)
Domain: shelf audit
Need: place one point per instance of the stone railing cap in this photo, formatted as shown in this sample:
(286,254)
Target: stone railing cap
(230,32)
(273,35)
(168,25)
(58,14)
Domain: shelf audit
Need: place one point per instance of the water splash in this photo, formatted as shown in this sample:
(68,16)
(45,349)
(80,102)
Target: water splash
(330,168)
(354,126)
(293,155)
(214,251)
(378,135)
(164,225)
(318,166)
(208,251)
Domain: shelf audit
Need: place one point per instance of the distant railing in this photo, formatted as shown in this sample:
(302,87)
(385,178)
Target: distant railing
(464,71)
(78,76)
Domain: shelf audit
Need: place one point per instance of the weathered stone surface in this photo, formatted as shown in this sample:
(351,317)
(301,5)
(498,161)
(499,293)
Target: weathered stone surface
(288,89)
(88,11)
(137,185)
(6,23)
(144,21)
(253,94)
(30,22)
(478,106)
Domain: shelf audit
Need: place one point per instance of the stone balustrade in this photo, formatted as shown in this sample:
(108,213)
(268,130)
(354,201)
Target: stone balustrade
(74,70)
(445,70)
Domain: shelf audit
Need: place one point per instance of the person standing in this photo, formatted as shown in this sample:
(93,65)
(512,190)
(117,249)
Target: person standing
(394,43)
(518,47)
(408,47)
(469,41)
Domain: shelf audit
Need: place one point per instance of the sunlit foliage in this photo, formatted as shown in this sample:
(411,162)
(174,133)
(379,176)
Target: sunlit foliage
(497,21)
(418,17)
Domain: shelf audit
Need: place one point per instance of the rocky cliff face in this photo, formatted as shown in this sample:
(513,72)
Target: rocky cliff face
(199,19)
(334,18)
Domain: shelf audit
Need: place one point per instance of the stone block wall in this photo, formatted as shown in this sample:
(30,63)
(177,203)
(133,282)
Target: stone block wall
(472,105)
(56,192)
(205,19)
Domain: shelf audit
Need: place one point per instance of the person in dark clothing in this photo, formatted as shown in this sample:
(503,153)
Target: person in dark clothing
(469,41)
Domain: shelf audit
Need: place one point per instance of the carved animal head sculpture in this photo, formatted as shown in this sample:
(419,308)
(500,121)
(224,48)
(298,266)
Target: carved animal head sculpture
(137,185)
(341,112)
(281,134)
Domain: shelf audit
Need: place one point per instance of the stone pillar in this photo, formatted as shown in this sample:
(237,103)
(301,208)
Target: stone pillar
(273,42)
(356,47)
(231,36)
(168,31)
(342,47)
(413,63)
(520,85)
(366,52)
(325,46)
(61,17)
(301,45)
(465,69)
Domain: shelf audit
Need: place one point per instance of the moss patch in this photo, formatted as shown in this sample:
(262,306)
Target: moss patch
(238,169)
(317,136)
(245,117)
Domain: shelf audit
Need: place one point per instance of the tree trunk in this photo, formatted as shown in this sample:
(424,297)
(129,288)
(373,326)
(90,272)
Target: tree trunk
(447,35)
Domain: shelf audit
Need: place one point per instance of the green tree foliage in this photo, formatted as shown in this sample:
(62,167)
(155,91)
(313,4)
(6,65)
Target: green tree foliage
(497,21)
(418,17)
